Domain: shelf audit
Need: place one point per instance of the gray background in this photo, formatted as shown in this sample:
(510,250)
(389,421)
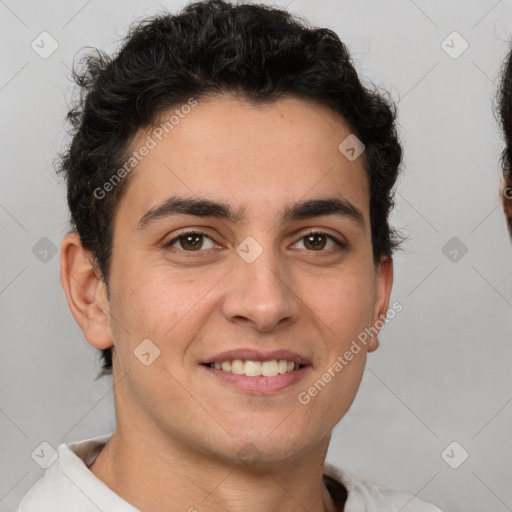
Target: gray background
(443,371)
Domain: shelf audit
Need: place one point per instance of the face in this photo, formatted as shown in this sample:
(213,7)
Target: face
(276,266)
(506,201)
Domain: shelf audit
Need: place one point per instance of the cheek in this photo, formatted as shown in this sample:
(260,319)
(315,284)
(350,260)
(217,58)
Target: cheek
(331,392)
(161,307)
(343,303)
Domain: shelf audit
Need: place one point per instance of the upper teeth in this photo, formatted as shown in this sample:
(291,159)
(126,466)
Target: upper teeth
(256,368)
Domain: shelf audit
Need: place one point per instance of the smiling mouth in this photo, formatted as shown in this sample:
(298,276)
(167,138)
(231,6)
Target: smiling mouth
(252,368)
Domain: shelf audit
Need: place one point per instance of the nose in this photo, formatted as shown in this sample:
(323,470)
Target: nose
(259,294)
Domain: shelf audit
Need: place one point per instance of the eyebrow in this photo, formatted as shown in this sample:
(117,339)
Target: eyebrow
(174,206)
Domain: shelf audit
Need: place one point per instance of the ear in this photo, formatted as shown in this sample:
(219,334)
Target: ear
(382,293)
(86,293)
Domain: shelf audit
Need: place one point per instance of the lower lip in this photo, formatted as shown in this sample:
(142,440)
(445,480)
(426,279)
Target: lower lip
(260,385)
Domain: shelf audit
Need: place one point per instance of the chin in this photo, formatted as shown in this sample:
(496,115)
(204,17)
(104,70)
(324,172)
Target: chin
(273,447)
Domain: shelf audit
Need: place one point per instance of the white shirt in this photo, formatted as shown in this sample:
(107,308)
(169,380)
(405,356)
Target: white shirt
(68,484)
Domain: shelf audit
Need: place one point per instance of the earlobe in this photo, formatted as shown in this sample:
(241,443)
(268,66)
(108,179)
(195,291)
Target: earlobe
(85,292)
(382,294)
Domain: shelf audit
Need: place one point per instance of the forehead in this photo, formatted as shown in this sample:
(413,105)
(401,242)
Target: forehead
(258,157)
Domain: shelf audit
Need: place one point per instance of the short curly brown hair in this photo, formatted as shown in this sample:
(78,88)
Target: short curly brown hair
(213,47)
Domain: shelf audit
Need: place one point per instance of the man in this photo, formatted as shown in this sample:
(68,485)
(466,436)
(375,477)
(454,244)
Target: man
(229,182)
(505,116)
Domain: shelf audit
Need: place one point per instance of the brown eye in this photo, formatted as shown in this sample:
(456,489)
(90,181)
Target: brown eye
(319,241)
(315,241)
(191,242)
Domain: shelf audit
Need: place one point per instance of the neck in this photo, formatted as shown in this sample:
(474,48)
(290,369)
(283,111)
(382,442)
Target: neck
(156,474)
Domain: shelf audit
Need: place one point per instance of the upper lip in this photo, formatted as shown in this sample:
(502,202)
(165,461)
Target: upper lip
(257,355)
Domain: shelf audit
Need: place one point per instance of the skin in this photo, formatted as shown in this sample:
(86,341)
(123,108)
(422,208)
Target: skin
(181,431)
(505,193)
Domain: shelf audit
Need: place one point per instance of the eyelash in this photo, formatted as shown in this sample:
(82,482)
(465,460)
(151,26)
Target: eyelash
(341,245)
